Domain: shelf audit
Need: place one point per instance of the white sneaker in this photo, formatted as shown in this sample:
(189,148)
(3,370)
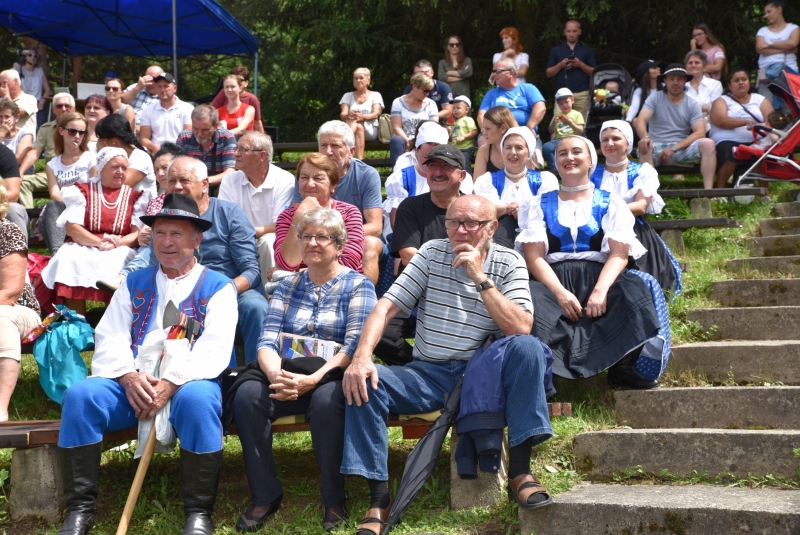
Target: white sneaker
(110,285)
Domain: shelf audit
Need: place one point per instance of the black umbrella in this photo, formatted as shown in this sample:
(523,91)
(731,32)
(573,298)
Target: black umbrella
(422,459)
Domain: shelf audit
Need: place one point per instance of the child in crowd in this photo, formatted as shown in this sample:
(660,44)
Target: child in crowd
(567,123)
(778,120)
(464,130)
(614,96)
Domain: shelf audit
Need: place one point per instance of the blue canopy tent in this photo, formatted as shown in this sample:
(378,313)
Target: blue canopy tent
(131,28)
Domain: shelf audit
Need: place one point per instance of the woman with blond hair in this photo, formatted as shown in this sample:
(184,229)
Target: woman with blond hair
(512,49)
(361,108)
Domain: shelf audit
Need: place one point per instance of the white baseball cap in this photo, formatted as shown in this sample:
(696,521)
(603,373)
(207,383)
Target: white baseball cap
(563,92)
(462,98)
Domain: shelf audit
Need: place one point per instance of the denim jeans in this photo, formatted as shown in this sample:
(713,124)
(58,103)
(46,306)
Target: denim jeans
(420,387)
(253,308)
(255,411)
(140,261)
(549,152)
(397,146)
(97,405)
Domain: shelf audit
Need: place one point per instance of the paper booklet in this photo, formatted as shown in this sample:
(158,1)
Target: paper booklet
(295,346)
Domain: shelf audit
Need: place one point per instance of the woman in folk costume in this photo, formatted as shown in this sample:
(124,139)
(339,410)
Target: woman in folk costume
(638,185)
(588,308)
(102,223)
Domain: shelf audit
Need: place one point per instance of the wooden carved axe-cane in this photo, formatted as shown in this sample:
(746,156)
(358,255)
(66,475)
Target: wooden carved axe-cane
(177,323)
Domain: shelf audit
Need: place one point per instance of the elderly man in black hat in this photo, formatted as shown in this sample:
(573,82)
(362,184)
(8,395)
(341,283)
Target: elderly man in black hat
(671,114)
(141,374)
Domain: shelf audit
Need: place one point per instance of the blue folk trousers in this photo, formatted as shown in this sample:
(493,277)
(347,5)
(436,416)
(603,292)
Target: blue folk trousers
(420,386)
(97,405)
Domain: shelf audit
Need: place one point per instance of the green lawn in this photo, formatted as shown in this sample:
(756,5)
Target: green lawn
(159,510)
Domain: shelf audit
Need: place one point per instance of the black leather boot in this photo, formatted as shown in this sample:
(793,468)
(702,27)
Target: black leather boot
(623,374)
(80,469)
(199,481)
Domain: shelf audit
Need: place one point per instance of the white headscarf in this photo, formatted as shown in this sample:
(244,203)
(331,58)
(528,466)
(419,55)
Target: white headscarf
(526,134)
(623,127)
(592,151)
(107,154)
(431,132)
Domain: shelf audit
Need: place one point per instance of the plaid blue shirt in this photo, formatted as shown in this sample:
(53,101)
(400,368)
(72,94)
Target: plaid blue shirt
(223,144)
(335,311)
(141,100)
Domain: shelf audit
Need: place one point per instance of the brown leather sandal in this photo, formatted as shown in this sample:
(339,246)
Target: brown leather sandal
(523,487)
(375,518)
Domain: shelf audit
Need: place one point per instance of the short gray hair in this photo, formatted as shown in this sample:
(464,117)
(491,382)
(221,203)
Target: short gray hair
(699,53)
(197,167)
(330,220)
(59,96)
(508,63)
(204,111)
(10,73)
(260,141)
(338,128)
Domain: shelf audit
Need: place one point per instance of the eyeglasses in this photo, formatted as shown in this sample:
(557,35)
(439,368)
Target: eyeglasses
(113,89)
(454,45)
(32,55)
(469,226)
(63,106)
(241,149)
(500,71)
(75,132)
(698,34)
(321,239)
(441,167)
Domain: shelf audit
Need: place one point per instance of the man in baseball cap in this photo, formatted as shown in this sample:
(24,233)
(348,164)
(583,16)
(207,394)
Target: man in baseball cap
(163,121)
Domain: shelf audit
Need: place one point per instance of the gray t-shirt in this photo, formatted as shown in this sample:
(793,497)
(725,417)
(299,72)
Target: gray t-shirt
(452,321)
(671,122)
(361,187)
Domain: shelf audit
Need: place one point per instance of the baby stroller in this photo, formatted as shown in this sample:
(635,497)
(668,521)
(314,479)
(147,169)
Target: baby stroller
(607,105)
(777,162)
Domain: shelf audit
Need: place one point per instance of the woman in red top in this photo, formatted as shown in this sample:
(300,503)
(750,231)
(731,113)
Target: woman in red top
(237,115)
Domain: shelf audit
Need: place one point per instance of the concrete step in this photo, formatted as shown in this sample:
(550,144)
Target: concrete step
(718,407)
(775,245)
(600,454)
(747,323)
(685,510)
(757,293)
(788,265)
(780,226)
(749,361)
(786,209)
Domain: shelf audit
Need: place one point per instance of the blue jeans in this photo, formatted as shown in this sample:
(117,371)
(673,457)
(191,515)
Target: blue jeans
(420,386)
(549,152)
(253,308)
(397,146)
(140,261)
(97,405)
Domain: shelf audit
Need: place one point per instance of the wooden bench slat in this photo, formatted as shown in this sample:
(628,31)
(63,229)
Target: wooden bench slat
(710,193)
(684,224)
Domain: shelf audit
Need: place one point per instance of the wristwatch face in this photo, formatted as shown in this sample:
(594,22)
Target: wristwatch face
(485,285)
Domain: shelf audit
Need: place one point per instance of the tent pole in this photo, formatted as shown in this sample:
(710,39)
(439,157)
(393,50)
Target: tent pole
(64,71)
(255,77)
(174,39)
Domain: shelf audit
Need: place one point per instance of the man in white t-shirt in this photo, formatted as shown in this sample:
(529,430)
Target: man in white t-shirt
(262,190)
(165,119)
(11,89)
(676,126)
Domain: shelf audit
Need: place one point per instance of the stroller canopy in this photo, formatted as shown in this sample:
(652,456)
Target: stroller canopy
(612,71)
(787,87)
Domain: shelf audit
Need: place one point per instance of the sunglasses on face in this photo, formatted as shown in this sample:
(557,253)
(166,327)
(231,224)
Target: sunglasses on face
(112,89)
(75,132)
(454,45)
(500,71)
(32,55)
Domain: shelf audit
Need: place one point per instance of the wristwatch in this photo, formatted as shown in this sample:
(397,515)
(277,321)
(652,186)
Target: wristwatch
(485,285)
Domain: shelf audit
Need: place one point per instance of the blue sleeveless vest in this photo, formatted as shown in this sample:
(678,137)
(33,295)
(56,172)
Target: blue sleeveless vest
(142,289)
(590,235)
(633,172)
(499,181)
(410,180)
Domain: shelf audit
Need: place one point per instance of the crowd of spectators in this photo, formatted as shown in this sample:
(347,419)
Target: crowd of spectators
(147,192)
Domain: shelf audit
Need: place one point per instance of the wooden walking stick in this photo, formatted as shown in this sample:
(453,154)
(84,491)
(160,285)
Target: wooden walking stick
(178,325)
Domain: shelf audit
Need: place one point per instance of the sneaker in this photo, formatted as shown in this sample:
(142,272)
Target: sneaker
(110,285)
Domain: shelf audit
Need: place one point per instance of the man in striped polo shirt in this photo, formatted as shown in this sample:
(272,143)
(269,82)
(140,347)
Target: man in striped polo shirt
(468,289)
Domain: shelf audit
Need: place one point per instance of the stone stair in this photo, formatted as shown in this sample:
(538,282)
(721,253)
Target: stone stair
(739,431)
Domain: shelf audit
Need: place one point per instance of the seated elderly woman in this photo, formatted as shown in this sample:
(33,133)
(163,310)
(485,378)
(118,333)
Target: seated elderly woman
(102,222)
(19,310)
(638,185)
(330,302)
(701,88)
(317,176)
(360,109)
(732,118)
(19,141)
(592,312)
(511,187)
(114,131)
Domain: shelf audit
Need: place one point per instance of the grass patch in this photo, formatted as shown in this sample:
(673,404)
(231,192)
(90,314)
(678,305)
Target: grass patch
(638,475)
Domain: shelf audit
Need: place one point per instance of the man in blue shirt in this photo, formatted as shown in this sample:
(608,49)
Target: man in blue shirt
(524,100)
(441,93)
(359,185)
(572,63)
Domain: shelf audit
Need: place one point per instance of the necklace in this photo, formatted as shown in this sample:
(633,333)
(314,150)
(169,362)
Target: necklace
(516,176)
(618,164)
(570,189)
(107,204)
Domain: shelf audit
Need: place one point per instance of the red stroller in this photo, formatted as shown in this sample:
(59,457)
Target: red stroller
(777,162)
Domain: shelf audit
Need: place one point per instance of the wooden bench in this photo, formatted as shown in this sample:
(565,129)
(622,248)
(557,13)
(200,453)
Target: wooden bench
(312,146)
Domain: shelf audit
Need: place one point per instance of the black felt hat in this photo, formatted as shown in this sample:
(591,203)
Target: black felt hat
(181,207)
